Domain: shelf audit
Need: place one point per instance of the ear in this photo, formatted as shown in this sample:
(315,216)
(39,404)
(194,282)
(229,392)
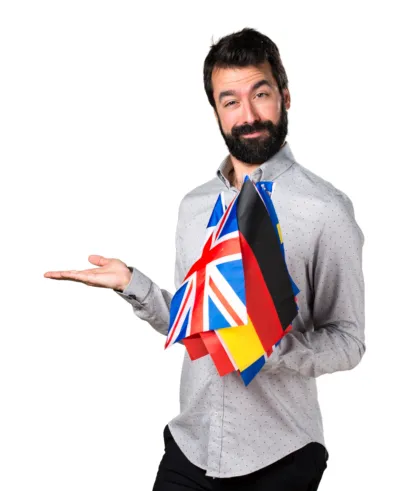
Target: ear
(286,98)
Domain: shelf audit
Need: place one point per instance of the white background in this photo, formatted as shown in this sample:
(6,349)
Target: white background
(105,126)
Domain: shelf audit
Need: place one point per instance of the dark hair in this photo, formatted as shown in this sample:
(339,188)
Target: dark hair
(240,49)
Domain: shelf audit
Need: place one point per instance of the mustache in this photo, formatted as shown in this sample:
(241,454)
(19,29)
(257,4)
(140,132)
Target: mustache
(248,129)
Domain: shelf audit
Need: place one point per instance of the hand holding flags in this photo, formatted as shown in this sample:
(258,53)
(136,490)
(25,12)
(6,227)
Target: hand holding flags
(237,300)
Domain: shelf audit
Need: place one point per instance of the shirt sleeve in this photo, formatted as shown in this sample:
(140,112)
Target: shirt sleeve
(337,340)
(149,302)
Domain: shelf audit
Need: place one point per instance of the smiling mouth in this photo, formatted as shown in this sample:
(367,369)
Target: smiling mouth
(253,135)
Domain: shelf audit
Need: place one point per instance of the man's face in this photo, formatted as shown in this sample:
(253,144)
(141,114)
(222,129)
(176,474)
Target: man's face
(251,114)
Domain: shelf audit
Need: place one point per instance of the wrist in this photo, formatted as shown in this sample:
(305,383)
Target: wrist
(126,281)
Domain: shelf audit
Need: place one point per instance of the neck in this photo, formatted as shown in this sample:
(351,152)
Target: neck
(239,169)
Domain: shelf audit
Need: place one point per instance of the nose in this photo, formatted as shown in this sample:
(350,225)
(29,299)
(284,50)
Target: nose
(250,114)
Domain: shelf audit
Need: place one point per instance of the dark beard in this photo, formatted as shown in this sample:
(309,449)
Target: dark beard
(258,149)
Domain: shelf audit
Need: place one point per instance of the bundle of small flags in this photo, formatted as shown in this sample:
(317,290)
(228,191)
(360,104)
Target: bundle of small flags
(238,299)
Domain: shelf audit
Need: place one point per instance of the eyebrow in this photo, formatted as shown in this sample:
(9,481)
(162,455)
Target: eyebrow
(258,84)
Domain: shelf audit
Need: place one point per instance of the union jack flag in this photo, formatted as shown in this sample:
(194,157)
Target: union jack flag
(212,295)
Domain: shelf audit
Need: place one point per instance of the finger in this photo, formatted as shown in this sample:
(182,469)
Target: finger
(66,275)
(71,272)
(87,277)
(56,274)
(98,260)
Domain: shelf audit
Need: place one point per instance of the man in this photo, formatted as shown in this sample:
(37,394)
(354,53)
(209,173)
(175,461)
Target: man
(268,435)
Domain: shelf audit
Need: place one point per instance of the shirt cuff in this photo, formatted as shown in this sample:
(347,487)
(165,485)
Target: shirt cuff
(138,288)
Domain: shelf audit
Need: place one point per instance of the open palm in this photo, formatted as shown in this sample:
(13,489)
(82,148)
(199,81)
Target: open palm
(111,273)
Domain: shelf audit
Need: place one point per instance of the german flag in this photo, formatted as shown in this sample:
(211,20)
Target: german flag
(270,299)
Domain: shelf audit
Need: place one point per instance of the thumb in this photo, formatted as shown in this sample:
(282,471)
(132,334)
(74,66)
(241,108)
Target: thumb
(98,260)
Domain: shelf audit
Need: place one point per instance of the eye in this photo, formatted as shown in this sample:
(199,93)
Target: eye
(229,103)
(262,93)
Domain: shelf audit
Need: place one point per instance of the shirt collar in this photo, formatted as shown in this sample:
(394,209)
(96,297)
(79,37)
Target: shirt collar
(267,171)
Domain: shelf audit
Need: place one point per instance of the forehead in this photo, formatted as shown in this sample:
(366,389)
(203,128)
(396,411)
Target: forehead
(240,77)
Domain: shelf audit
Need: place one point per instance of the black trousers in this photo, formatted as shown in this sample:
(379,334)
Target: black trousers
(299,471)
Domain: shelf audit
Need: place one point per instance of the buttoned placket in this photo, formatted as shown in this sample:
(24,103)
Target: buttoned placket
(217,388)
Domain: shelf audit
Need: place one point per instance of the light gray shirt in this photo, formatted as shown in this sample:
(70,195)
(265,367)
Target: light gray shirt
(229,429)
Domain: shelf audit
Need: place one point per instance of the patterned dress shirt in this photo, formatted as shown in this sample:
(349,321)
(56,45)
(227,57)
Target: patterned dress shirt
(229,429)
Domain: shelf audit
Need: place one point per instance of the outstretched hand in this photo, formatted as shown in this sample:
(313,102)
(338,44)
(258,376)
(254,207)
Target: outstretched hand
(111,273)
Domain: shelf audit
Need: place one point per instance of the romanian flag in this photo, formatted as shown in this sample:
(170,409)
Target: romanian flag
(237,300)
